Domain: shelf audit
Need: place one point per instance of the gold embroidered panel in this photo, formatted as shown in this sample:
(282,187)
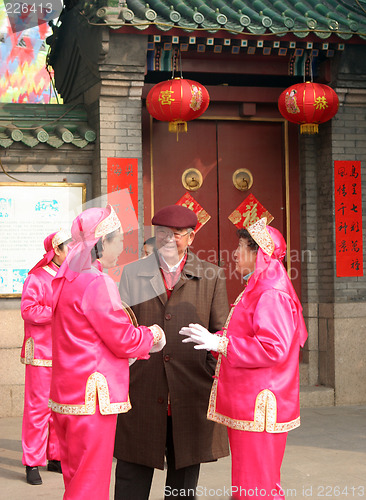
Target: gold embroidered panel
(29,355)
(265,415)
(97,383)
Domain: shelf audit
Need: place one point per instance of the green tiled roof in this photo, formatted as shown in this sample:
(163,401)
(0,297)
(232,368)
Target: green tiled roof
(52,124)
(345,18)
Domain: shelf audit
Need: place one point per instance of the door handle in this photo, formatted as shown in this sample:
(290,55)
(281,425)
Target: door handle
(192,179)
(242,179)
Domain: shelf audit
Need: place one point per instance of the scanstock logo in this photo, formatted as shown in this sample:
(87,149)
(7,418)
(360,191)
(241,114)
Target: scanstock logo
(30,13)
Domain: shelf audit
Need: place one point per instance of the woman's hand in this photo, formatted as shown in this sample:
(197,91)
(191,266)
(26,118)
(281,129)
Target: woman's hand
(159,339)
(201,336)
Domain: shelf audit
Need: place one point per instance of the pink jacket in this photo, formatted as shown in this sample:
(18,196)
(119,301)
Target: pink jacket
(92,341)
(36,310)
(256,385)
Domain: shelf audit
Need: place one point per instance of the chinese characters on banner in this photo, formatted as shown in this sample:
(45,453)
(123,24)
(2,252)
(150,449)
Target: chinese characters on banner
(123,196)
(202,216)
(348,218)
(249,212)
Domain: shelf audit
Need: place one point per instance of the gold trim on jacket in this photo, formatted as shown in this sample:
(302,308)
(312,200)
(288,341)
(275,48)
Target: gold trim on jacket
(96,383)
(265,410)
(265,415)
(127,309)
(29,355)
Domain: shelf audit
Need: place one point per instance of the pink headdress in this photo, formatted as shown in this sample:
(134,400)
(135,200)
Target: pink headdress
(269,270)
(52,241)
(86,230)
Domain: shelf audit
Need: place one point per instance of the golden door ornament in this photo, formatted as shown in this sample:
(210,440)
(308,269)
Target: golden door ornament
(192,179)
(242,179)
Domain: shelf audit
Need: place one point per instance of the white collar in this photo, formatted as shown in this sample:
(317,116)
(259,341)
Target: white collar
(172,269)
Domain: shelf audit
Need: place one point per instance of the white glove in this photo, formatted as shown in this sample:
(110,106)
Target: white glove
(160,345)
(131,361)
(202,337)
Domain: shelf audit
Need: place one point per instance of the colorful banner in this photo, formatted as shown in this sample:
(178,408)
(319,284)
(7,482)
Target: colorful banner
(348,218)
(248,212)
(23,74)
(122,184)
(202,216)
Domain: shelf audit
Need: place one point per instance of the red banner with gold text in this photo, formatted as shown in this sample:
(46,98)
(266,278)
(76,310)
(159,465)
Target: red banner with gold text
(122,184)
(348,218)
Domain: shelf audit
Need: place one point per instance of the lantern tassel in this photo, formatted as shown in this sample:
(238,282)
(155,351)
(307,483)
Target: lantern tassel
(178,126)
(309,128)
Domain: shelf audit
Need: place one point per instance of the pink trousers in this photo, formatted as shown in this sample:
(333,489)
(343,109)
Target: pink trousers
(256,459)
(39,439)
(86,444)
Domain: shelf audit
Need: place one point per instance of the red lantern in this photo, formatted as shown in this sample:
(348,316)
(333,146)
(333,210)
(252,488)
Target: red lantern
(308,104)
(177,101)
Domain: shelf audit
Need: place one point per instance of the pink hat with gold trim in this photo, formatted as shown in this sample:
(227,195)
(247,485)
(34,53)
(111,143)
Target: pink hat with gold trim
(52,241)
(87,228)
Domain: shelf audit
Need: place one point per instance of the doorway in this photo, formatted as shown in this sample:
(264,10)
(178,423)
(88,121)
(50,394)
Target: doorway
(217,148)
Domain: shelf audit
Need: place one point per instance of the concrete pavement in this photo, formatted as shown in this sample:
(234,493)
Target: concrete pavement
(324,458)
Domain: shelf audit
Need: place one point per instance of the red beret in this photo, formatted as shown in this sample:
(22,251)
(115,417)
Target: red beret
(175,216)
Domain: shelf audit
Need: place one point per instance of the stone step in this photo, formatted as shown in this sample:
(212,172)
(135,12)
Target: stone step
(316,395)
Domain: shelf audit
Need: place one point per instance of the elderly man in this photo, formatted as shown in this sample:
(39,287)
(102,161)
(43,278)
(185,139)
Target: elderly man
(169,392)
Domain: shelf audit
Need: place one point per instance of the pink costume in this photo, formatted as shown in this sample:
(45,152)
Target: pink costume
(256,385)
(92,341)
(39,440)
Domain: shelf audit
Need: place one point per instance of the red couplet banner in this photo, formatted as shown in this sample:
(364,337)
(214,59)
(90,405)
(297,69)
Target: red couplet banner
(348,218)
(122,184)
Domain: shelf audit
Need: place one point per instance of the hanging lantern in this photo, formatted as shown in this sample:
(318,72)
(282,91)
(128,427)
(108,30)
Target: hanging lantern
(308,104)
(177,101)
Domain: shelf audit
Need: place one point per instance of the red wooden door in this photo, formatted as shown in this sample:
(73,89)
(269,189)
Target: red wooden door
(256,146)
(217,149)
(170,158)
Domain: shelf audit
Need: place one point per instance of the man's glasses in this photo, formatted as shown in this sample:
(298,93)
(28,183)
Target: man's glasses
(163,233)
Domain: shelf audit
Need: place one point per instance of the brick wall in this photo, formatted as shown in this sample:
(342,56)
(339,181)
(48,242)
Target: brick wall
(115,108)
(325,233)
(309,242)
(309,217)
(349,143)
(334,307)
(342,138)
(43,159)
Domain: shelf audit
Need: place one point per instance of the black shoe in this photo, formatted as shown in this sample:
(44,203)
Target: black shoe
(33,476)
(54,466)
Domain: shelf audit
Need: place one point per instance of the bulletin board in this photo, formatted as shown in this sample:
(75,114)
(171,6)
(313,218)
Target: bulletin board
(30,211)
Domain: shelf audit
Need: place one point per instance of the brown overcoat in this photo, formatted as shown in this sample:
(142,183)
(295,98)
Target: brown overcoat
(179,370)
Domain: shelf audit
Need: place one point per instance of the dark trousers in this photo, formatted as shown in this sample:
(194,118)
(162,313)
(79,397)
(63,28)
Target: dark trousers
(133,481)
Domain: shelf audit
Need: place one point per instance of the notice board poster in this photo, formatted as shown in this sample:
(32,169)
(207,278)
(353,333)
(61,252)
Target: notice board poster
(28,213)
(348,218)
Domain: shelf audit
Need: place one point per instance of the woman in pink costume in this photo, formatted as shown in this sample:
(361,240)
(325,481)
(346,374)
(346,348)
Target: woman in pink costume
(256,386)
(39,440)
(93,339)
